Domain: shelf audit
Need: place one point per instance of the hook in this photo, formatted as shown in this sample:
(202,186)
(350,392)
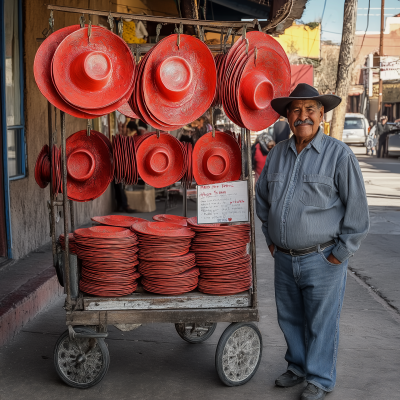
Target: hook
(158,133)
(82,20)
(111,21)
(233,37)
(222,39)
(212,121)
(158,30)
(255,55)
(180,30)
(244,31)
(89,30)
(259,26)
(120,28)
(89,127)
(247,46)
(201,33)
(51,21)
(137,54)
(226,38)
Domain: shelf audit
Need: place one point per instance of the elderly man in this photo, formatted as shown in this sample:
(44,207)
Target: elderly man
(312,203)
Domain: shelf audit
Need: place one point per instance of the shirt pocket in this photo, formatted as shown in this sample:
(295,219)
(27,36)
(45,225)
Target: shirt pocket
(317,190)
(275,186)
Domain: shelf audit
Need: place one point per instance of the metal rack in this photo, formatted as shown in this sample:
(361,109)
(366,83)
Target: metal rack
(195,314)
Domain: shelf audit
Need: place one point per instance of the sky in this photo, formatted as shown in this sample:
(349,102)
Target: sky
(333,16)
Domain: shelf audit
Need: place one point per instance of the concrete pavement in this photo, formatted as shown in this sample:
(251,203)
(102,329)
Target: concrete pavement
(153,362)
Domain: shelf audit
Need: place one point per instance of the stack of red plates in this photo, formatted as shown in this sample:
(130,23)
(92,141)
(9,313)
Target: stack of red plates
(71,241)
(172,219)
(125,164)
(174,87)
(121,221)
(109,260)
(255,71)
(85,76)
(219,64)
(221,255)
(165,262)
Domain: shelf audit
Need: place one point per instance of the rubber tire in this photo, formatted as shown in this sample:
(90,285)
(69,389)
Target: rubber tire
(220,348)
(106,356)
(198,340)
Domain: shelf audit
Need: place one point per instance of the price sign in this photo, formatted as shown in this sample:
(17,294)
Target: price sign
(223,202)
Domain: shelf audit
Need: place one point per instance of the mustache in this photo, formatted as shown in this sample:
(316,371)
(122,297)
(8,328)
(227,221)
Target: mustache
(307,121)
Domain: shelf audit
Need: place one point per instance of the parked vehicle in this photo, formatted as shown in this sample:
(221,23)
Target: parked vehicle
(355,129)
(393,141)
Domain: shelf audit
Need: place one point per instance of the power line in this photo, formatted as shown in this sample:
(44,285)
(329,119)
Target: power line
(365,33)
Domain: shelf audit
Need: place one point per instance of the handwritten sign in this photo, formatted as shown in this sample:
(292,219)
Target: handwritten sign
(223,202)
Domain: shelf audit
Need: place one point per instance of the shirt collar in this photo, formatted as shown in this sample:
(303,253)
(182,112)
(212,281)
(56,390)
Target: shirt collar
(316,142)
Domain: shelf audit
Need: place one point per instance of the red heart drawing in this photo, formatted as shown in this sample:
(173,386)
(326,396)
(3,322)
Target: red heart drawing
(229,219)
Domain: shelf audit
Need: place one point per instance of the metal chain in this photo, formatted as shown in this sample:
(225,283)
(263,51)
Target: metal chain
(259,26)
(89,30)
(120,28)
(226,38)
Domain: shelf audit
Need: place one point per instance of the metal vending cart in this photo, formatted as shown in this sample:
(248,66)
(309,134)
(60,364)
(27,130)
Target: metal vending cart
(81,356)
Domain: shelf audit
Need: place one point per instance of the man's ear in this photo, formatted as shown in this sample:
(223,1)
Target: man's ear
(322,111)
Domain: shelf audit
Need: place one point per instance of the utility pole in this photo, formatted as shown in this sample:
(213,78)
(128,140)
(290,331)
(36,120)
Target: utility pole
(380,59)
(345,67)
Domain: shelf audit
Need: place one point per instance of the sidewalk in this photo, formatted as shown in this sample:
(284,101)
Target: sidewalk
(152,362)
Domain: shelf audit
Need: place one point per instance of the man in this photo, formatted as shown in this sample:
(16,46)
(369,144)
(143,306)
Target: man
(382,130)
(312,202)
(281,130)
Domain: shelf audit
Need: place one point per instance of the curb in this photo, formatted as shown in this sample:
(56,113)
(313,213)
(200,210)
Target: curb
(23,304)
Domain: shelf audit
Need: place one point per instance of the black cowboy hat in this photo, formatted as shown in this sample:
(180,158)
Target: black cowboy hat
(305,92)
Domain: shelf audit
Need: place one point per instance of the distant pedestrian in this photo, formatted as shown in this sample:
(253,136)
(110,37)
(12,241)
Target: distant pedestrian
(260,152)
(312,203)
(382,131)
(281,130)
(370,143)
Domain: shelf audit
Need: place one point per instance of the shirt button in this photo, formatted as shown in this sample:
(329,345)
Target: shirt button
(284,221)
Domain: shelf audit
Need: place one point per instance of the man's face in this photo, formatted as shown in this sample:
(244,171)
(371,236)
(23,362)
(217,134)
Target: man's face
(304,118)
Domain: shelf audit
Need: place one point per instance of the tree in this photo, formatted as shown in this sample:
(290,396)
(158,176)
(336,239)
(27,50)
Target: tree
(345,67)
(325,75)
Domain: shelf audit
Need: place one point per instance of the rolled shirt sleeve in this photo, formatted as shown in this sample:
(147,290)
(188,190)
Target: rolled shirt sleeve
(262,206)
(355,223)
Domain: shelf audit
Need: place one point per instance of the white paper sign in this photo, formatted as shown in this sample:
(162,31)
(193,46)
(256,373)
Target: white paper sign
(223,202)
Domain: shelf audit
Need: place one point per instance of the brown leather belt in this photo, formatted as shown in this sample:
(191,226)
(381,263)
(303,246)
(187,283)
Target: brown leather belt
(308,250)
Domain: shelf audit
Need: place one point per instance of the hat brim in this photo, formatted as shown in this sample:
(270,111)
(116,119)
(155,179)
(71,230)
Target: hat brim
(329,101)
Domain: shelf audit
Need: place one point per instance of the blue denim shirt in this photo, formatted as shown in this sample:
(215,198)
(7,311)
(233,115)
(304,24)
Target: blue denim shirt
(313,197)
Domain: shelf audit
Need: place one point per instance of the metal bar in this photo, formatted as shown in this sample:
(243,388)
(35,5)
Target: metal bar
(66,212)
(143,17)
(52,205)
(170,316)
(242,143)
(72,214)
(184,200)
(251,206)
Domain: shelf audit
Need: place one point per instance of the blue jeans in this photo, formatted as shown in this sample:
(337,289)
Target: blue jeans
(309,293)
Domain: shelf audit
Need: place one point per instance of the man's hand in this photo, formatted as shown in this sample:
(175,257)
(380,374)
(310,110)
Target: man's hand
(332,259)
(271,249)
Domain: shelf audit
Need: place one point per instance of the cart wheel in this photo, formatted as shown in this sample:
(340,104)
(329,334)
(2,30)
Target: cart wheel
(82,362)
(238,353)
(195,333)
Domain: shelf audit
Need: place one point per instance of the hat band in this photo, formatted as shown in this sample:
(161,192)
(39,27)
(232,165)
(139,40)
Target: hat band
(80,165)
(157,161)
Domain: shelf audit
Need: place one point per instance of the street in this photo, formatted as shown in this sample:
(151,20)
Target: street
(153,362)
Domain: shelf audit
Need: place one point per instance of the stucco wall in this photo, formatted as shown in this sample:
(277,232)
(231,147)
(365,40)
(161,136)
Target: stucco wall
(28,203)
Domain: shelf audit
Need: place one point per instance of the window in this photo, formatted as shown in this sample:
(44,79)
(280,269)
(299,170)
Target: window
(353,123)
(13,89)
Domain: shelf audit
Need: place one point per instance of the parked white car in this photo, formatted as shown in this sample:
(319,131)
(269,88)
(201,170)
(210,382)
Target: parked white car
(355,129)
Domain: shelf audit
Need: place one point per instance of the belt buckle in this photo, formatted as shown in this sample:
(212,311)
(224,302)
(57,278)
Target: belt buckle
(291,253)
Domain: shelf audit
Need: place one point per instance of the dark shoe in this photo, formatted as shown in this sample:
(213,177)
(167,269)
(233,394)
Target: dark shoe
(289,379)
(311,392)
